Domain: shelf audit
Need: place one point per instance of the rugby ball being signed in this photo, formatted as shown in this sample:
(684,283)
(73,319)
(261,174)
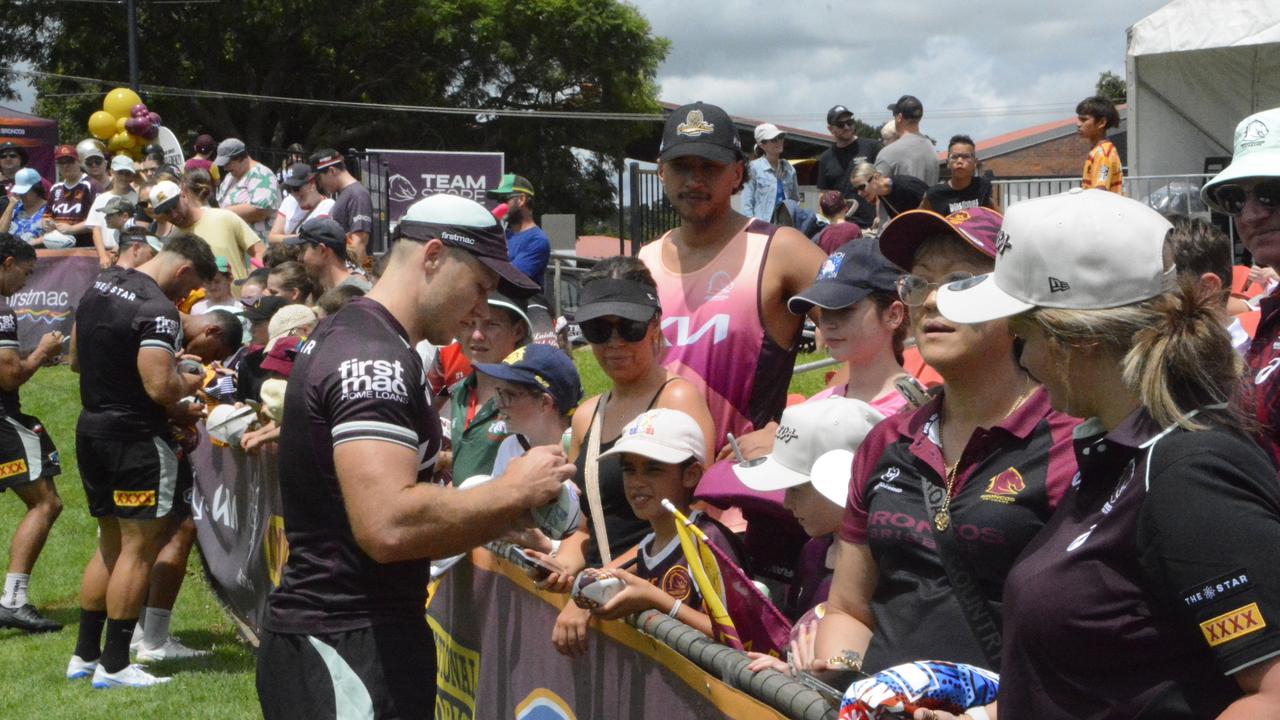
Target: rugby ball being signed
(559,518)
(593,588)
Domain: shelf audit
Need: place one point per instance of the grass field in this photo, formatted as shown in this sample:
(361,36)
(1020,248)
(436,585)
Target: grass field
(220,686)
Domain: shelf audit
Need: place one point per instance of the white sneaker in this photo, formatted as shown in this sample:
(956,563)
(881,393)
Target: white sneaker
(135,642)
(170,650)
(130,676)
(79,669)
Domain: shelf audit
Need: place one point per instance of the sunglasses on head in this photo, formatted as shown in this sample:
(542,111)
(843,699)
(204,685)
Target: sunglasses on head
(599,330)
(1233,197)
(913,290)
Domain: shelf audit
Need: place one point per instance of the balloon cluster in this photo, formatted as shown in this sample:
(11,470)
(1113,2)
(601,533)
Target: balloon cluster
(124,123)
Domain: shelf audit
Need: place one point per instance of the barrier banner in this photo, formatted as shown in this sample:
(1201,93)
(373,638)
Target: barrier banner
(415,174)
(495,659)
(235,503)
(49,299)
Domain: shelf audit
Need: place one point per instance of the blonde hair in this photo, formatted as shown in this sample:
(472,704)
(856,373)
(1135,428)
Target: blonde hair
(1174,353)
(863,170)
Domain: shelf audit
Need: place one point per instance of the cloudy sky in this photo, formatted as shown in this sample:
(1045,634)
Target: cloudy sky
(981,68)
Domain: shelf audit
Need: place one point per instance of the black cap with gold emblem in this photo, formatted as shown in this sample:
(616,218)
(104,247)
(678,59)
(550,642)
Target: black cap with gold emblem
(702,130)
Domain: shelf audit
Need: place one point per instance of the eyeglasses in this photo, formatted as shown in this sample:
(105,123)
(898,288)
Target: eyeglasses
(914,290)
(506,398)
(600,330)
(94,161)
(845,124)
(1232,198)
(9,155)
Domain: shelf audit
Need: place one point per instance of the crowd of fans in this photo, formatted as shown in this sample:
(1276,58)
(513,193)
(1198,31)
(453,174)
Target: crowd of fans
(1049,505)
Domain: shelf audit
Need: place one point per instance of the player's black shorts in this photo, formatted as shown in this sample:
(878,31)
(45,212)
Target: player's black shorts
(135,479)
(387,671)
(27,452)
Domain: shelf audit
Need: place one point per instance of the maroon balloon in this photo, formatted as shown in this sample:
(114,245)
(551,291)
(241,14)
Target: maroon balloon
(139,110)
(137,125)
(154,118)
(152,132)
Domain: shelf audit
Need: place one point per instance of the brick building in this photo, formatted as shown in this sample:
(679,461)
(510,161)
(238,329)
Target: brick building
(1049,150)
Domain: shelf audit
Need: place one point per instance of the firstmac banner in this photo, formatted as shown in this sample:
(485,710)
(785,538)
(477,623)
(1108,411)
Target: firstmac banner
(49,299)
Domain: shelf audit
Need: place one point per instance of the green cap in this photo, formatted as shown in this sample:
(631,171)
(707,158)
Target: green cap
(221,262)
(510,185)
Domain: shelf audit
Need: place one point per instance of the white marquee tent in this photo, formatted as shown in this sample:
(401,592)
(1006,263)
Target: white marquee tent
(1195,68)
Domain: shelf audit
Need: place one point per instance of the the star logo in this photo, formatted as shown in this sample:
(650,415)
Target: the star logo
(694,125)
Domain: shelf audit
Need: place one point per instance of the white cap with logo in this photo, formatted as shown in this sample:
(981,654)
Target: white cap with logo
(1257,154)
(662,434)
(1079,250)
(807,433)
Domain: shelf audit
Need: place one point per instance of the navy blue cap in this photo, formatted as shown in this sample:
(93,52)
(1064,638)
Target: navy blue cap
(854,271)
(541,367)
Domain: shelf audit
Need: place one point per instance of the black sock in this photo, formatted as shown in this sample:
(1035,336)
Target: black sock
(88,643)
(115,651)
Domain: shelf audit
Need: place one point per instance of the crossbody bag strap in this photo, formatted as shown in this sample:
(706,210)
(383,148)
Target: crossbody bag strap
(591,473)
(982,618)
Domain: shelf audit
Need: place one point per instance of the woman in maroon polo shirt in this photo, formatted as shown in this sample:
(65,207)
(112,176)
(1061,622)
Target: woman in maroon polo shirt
(993,456)
(1154,591)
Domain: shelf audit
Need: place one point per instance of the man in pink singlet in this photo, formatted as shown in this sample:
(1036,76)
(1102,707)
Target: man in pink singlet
(724,278)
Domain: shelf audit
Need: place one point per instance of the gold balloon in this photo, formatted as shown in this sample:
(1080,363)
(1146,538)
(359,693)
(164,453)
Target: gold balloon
(102,125)
(119,141)
(120,102)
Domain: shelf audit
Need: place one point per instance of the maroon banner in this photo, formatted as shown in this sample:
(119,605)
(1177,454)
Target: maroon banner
(495,659)
(414,174)
(49,299)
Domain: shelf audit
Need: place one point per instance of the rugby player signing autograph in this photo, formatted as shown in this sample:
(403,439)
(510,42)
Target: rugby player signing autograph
(345,632)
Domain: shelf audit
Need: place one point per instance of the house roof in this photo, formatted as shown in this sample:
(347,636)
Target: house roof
(1030,136)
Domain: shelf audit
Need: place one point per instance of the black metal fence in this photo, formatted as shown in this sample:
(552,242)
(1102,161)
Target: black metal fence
(651,214)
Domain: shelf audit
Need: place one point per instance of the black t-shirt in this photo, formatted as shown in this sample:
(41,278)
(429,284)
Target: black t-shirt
(121,313)
(10,404)
(353,208)
(834,166)
(944,200)
(1153,583)
(905,194)
(1010,478)
(620,522)
(355,378)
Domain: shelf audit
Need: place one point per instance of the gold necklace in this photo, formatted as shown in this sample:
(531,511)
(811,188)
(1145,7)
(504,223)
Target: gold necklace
(942,518)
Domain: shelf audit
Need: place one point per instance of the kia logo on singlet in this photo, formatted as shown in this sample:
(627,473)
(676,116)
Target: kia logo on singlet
(718,326)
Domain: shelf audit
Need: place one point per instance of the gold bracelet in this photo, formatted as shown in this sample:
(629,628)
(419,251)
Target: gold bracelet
(848,659)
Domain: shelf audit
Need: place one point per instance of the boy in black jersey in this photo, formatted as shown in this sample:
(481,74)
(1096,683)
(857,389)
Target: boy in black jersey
(28,459)
(130,386)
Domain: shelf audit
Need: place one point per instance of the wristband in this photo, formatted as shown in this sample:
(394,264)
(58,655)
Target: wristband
(978,713)
(675,608)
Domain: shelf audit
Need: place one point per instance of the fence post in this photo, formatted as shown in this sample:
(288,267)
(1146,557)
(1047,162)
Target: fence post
(636,207)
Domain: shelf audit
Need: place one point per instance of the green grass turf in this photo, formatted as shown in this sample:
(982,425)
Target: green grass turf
(220,686)
(33,686)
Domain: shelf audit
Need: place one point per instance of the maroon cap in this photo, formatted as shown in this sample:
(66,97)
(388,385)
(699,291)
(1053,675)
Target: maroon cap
(977,226)
(64,151)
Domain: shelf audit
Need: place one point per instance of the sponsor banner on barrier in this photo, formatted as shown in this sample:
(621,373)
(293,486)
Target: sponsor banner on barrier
(49,299)
(490,665)
(235,503)
(415,174)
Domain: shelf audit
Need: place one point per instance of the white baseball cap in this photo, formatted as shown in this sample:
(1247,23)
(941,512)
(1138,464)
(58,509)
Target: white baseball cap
(1257,153)
(805,433)
(668,436)
(122,162)
(164,196)
(766,131)
(1078,250)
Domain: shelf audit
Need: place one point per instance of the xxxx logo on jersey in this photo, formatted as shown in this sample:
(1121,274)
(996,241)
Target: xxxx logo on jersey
(1229,626)
(15,467)
(135,498)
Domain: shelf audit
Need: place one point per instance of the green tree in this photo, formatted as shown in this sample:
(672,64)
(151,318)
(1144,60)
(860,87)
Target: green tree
(582,55)
(1111,86)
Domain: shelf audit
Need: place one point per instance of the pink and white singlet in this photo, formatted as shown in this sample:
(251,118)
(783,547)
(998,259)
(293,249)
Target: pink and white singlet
(712,320)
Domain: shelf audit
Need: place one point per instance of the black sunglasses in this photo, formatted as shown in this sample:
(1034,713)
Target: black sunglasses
(599,330)
(9,155)
(1232,198)
(843,124)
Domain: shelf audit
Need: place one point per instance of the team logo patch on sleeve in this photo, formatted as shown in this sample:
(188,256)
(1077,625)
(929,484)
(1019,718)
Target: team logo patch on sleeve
(14,467)
(1233,625)
(134,498)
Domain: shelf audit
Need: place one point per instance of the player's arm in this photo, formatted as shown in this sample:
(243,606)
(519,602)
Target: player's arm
(73,358)
(791,266)
(15,370)
(395,518)
(164,384)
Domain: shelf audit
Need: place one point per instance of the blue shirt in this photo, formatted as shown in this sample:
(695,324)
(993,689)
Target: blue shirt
(529,250)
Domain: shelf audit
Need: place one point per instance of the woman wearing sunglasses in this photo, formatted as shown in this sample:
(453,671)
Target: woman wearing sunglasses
(1153,592)
(891,194)
(955,488)
(619,315)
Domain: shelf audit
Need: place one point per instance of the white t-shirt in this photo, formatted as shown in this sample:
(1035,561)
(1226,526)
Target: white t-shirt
(294,214)
(97,219)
